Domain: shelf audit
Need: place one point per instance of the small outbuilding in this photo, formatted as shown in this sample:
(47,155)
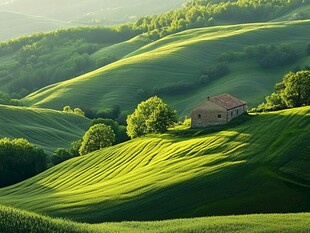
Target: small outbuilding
(217,110)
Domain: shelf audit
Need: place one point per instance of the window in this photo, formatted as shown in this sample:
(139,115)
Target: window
(199,116)
(237,112)
(219,116)
(231,113)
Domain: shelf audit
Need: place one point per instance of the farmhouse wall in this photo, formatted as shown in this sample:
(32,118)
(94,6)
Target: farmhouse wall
(235,112)
(207,114)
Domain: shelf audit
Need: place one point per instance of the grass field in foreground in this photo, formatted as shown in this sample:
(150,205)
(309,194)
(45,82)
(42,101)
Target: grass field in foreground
(14,220)
(180,58)
(260,166)
(48,129)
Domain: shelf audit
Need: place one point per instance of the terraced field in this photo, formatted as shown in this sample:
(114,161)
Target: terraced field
(180,58)
(14,220)
(48,129)
(260,166)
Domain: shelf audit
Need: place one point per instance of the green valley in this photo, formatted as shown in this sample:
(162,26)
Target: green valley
(240,170)
(182,116)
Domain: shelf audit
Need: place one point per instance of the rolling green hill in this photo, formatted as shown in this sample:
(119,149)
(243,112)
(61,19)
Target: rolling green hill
(48,129)
(14,24)
(260,166)
(14,220)
(180,60)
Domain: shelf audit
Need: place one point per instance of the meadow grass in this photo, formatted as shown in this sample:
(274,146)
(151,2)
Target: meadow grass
(260,166)
(14,220)
(48,129)
(179,58)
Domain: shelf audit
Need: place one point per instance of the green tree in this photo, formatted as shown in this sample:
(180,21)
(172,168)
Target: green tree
(98,136)
(296,91)
(75,147)
(60,155)
(67,109)
(293,91)
(150,116)
(79,111)
(120,133)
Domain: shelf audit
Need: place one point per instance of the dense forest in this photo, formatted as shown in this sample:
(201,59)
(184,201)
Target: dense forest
(203,13)
(30,63)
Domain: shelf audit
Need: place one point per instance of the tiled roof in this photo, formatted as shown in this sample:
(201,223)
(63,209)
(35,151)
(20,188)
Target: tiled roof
(227,101)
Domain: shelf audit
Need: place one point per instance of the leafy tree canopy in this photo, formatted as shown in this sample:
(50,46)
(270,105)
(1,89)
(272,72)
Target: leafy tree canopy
(98,136)
(293,91)
(150,116)
(76,111)
(19,160)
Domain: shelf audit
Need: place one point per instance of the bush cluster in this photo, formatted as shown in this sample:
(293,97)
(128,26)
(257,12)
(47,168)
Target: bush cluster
(19,160)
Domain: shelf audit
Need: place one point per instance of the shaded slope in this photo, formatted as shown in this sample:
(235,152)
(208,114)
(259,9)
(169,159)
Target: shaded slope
(257,167)
(181,58)
(48,129)
(30,222)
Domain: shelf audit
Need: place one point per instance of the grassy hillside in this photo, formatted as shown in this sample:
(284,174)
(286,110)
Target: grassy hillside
(260,166)
(13,24)
(30,222)
(48,129)
(180,60)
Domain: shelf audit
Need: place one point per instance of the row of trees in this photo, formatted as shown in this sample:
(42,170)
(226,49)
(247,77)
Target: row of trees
(267,56)
(203,13)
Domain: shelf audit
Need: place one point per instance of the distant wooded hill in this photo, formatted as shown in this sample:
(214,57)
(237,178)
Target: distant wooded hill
(22,17)
(195,63)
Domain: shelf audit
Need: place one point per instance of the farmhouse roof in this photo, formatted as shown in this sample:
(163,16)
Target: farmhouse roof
(227,101)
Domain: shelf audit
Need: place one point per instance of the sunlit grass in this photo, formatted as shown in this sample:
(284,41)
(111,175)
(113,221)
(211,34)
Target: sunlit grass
(14,220)
(259,166)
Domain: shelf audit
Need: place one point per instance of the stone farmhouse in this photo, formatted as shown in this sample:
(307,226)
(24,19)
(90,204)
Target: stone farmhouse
(217,110)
